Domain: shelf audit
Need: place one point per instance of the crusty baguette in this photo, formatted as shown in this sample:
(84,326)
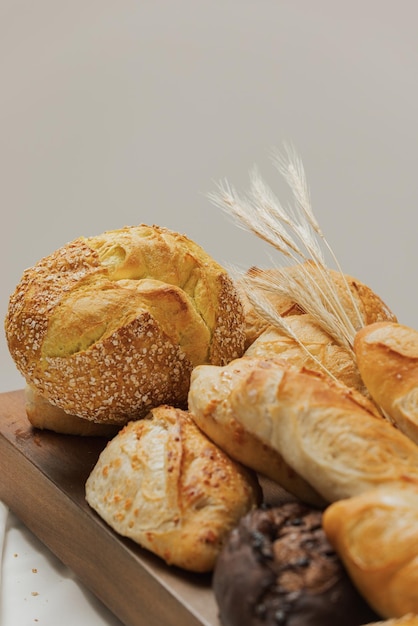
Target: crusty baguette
(161,482)
(356,298)
(210,391)
(327,433)
(45,416)
(387,358)
(376,536)
(321,352)
(108,326)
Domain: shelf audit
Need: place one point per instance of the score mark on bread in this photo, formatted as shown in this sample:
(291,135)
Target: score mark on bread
(107,327)
(161,482)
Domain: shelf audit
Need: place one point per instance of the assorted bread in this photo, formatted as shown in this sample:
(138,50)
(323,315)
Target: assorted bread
(204,386)
(326,432)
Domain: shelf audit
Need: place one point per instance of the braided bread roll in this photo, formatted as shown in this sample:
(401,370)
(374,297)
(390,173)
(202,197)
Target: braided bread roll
(387,358)
(107,327)
(327,433)
(376,536)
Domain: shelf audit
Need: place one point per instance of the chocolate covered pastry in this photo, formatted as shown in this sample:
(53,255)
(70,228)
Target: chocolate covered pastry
(278,568)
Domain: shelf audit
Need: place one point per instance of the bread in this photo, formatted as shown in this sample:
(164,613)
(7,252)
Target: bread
(212,407)
(161,482)
(277,567)
(321,352)
(376,536)
(255,324)
(357,299)
(107,327)
(387,358)
(326,432)
(45,416)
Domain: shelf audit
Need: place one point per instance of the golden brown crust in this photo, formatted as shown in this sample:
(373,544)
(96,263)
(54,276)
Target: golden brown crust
(210,390)
(329,434)
(45,416)
(255,324)
(376,536)
(387,357)
(330,357)
(107,327)
(165,485)
(368,304)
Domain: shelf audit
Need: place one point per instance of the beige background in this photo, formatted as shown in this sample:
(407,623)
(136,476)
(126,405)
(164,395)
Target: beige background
(115,113)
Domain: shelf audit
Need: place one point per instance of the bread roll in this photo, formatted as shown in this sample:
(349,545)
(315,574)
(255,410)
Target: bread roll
(255,324)
(322,353)
(45,416)
(387,358)
(107,327)
(376,536)
(277,567)
(326,432)
(162,483)
(366,303)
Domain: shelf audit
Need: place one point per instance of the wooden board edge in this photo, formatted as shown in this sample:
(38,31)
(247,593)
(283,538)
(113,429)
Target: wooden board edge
(20,491)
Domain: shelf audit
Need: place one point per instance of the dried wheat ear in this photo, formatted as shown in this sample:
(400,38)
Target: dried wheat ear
(295,233)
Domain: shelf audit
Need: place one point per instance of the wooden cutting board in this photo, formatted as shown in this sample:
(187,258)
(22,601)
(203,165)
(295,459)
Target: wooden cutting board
(43,475)
(42,481)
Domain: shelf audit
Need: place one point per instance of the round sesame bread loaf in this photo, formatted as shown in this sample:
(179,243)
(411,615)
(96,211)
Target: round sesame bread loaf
(108,326)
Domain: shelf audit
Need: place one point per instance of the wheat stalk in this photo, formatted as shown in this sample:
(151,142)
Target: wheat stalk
(295,233)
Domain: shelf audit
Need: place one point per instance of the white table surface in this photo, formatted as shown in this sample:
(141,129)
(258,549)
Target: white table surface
(36,588)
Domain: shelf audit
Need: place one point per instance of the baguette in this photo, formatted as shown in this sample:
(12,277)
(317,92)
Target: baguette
(330,435)
(387,358)
(211,406)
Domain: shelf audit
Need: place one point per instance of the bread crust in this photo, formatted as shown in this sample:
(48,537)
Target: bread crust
(212,408)
(387,358)
(45,416)
(107,327)
(321,352)
(376,536)
(161,482)
(329,434)
(367,304)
